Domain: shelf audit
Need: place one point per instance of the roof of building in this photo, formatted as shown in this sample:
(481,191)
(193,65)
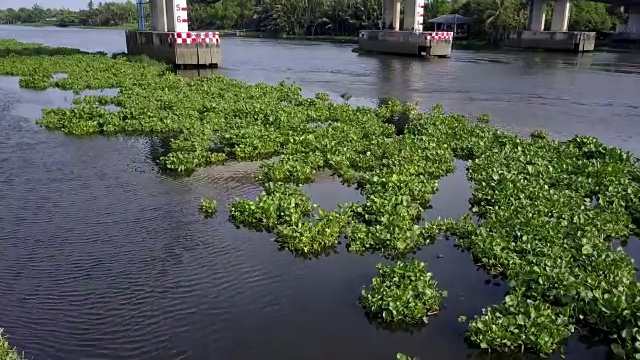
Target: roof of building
(449,19)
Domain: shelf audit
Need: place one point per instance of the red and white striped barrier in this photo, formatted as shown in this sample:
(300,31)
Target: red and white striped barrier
(195,38)
(439,35)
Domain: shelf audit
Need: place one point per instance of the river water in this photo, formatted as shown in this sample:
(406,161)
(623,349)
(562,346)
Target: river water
(102,257)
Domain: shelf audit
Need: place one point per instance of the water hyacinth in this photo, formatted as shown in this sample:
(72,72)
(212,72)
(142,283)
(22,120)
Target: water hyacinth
(6,351)
(403,292)
(208,207)
(545,212)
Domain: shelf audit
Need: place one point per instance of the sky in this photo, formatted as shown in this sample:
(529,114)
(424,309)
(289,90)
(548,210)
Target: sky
(69,4)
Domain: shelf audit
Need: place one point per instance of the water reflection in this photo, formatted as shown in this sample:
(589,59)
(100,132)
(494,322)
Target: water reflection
(197,73)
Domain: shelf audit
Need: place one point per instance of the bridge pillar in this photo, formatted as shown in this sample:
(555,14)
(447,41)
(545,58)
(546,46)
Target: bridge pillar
(391,14)
(413,15)
(409,15)
(387,13)
(170,39)
(158,15)
(537,9)
(397,11)
(560,19)
(633,25)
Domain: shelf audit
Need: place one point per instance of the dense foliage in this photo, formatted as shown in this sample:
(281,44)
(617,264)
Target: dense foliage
(7,352)
(489,19)
(548,214)
(102,14)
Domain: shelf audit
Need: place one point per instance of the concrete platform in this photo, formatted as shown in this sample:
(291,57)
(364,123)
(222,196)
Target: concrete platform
(422,44)
(570,41)
(192,49)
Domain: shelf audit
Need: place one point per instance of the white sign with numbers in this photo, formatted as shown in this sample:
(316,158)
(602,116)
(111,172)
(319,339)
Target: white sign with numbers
(181,19)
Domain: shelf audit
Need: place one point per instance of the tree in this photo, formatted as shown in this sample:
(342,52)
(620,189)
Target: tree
(90,5)
(436,8)
(590,16)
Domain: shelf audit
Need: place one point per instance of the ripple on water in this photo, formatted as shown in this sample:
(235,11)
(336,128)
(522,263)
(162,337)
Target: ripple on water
(101,257)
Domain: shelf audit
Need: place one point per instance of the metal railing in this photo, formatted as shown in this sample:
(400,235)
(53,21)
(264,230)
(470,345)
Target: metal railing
(142,16)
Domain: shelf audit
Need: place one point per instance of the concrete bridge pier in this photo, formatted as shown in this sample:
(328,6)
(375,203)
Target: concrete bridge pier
(406,38)
(170,40)
(391,14)
(558,38)
(630,32)
(537,15)
(633,24)
(560,18)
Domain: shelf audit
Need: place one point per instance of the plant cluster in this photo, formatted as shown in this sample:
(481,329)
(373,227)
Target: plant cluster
(401,356)
(208,207)
(7,352)
(547,212)
(403,292)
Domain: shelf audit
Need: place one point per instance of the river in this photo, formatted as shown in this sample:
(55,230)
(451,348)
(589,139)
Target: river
(102,257)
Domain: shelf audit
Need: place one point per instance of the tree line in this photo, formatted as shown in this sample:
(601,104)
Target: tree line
(488,19)
(100,14)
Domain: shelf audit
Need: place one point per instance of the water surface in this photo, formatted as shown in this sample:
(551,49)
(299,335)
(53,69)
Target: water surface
(102,257)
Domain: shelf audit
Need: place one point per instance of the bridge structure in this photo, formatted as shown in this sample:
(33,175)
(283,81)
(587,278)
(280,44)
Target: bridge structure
(630,30)
(558,37)
(169,39)
(408,37)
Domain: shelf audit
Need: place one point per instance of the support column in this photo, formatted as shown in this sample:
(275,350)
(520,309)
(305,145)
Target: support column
(413,15)
(560,19)
(171,15)
(633,25)
(387,13)
(409,15)
(158,15)
(537,10)
(396,14)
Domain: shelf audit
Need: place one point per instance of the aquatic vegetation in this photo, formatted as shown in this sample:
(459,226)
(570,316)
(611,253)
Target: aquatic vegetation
(401,356)
(521,324)
(208,207)
(403,292)
(7,352)
(545,215)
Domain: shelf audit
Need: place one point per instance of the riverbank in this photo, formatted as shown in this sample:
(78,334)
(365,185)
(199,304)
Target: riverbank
(262,35)
(39,25)
(464,44)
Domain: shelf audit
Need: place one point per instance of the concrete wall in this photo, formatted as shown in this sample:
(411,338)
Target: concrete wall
(441,48)
(157,46)
(573,41)
(402,42)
